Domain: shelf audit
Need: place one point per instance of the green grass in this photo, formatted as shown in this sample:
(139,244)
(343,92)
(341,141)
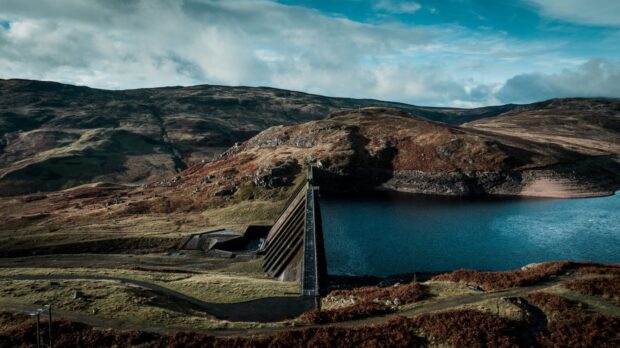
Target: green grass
(252,267)
(217,286)
(244,213)
(593,303)
(125,305)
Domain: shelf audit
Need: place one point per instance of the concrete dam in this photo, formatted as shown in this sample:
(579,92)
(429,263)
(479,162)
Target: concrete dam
(294,245)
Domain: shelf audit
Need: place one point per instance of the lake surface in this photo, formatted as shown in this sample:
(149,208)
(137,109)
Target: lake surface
(387,233)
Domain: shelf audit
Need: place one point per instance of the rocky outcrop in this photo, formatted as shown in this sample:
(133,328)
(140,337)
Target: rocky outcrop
(281,174)
(454,183)
(385,149)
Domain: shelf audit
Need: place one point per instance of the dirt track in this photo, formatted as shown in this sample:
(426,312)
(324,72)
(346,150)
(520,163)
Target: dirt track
(268,309)
(245,310)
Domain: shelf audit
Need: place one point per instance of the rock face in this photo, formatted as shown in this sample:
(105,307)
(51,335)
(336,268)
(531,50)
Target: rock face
(279,175)
(382,148)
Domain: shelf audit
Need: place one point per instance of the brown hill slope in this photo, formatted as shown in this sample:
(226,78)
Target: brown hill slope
(586,126)
(55,136)
(387,148)
(589,126)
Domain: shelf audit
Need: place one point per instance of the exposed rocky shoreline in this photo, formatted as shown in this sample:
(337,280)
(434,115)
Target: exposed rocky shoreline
(546,184)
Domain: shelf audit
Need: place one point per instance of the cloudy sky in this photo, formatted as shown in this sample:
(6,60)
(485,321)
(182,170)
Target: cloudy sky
(450,52)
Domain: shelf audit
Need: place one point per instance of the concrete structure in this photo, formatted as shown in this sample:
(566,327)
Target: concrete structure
(294,245)
(227,243)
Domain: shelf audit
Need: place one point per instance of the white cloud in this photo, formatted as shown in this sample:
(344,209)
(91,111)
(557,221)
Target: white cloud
(147,43)
(595,78)
(397,7)
(589,12)
(227,42)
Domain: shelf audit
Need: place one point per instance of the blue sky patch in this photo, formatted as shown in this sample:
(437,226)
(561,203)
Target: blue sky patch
(5,24)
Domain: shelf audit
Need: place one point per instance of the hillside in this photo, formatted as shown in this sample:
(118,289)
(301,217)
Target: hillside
(390,149)
(371,148)
(54,136)
(588,126)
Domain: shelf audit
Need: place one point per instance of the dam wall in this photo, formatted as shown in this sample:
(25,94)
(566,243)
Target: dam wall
(294,246)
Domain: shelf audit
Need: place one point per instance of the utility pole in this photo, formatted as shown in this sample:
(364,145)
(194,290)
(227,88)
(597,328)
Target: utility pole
(49,322)
(38,314)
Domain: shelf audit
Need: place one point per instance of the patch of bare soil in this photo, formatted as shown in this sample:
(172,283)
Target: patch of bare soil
(561,188)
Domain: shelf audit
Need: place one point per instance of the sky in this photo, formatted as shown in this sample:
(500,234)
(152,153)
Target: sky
(463,53)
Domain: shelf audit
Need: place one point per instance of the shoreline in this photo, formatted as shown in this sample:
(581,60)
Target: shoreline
(439,195)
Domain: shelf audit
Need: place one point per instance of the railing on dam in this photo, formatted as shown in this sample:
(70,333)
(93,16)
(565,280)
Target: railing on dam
(294,246)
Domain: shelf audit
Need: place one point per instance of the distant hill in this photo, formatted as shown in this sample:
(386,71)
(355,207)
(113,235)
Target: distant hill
(587,125)
(54,136)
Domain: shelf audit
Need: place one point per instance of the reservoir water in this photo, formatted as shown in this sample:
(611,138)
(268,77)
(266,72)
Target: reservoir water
(388,233)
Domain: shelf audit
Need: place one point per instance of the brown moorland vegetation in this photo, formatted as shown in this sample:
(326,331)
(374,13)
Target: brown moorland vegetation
(394,333)
(613,269)
(356,311)
(522,277)
(9,320)
(475,329)
(406,293)
(461,328)
(582,330)
(507,279)
(553,303)
(601,286)
(571,326)
(471,328)
(368,301)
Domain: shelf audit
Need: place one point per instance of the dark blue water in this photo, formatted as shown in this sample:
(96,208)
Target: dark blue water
(385,234)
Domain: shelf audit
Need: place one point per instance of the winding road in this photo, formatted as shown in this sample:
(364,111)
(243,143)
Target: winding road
(269,309)
(262,310)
